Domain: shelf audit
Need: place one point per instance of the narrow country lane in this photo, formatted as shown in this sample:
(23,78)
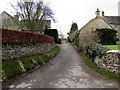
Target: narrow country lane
(66,70)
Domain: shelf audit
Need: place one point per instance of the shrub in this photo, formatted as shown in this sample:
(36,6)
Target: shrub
(53,33)
(107,36)
(13,36)
(76,39)
(94,49)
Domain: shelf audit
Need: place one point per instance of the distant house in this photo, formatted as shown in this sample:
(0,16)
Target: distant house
(87,32)
(12,22)
(9,22)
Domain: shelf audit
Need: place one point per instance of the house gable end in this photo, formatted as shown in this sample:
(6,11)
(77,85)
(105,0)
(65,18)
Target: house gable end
(87,32)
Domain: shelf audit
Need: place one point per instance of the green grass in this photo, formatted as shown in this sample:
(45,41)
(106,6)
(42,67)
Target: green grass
(11,68)
(103,72)
(113,47)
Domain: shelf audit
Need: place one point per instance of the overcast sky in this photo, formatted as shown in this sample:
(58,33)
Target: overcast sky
(68,11)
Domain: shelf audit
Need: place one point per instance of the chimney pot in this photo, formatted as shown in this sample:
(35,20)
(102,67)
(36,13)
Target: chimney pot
(102,13)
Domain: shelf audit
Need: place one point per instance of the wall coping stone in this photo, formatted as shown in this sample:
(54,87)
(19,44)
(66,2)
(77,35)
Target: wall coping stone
(113,51)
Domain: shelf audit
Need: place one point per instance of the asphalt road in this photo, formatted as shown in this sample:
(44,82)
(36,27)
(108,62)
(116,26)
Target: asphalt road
(66,70)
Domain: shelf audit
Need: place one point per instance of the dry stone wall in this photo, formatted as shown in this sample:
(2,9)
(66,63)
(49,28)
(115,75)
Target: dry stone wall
(110,61)
(18,51)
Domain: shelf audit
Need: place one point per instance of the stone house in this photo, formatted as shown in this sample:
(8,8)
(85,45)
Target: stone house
(12,22)
(9,22)
(87,32)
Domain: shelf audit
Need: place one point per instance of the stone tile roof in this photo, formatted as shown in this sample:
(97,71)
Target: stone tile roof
(112,19)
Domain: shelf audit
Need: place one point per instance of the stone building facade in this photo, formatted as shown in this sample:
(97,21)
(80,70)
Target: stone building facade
(9,22)
(87,33)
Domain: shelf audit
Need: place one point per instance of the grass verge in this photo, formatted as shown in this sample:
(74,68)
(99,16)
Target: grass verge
(13,68)
(113,47)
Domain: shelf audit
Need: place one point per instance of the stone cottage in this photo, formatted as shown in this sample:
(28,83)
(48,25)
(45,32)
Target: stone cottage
(87,32)
(9,22)
(12,22)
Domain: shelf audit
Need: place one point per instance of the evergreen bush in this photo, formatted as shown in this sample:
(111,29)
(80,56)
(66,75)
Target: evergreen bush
(94,49)
(107,36)
(52,33)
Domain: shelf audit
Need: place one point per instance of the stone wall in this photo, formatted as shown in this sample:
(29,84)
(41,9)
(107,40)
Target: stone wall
(18,51)
(110,61)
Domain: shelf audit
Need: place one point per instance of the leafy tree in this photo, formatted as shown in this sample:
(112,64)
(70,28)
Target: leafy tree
(74,27)
(107,36)
(33,14)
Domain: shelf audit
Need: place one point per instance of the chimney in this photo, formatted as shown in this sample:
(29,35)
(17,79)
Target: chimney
(103,14)
(97,13)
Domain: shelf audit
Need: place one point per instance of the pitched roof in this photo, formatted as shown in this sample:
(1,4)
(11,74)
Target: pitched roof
(107,22)
(7,14)
(112,19)
(93,20)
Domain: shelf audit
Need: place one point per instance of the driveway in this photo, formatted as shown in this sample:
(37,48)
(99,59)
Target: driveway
(66,70)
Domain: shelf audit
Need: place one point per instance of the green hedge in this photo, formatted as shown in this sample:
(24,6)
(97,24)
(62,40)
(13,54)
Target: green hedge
(52,33)
(13,68)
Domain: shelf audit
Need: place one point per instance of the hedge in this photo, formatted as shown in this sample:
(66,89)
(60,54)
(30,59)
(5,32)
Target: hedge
(53,33)
(13,36)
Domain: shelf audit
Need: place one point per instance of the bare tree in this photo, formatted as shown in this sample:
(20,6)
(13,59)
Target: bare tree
(34,14)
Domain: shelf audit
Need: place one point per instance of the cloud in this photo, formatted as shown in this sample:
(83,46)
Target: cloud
(79,11)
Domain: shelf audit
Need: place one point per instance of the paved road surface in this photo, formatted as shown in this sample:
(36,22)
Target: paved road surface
(66,70)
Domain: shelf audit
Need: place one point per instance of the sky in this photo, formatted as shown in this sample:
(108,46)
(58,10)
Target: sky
(68,11)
